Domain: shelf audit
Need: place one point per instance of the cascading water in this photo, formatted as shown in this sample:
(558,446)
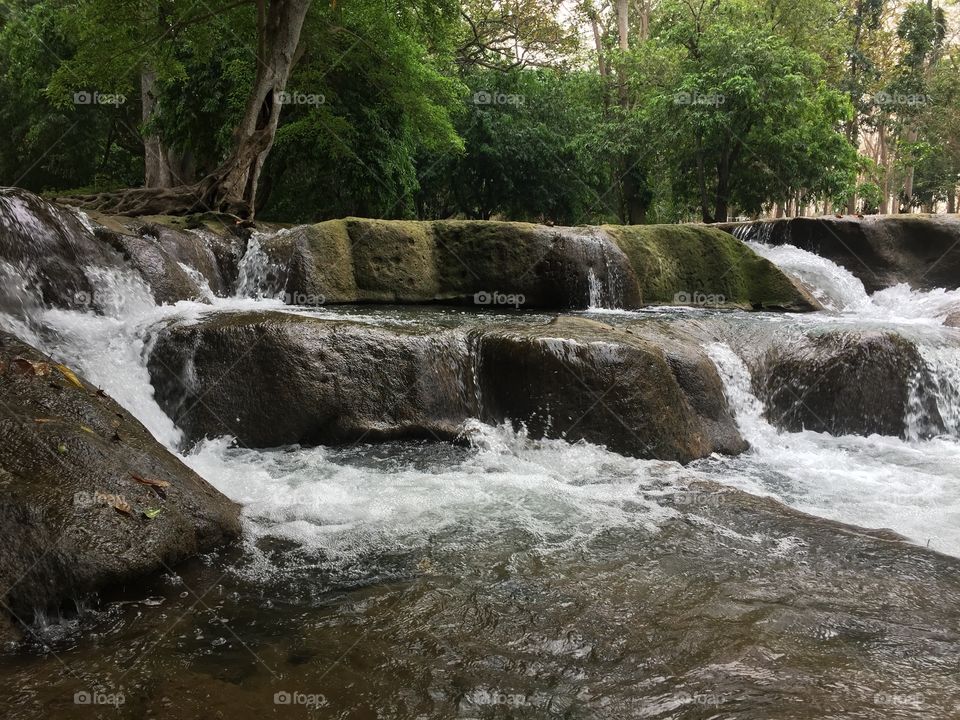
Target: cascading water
(839,291)
(510,574)
(877,482)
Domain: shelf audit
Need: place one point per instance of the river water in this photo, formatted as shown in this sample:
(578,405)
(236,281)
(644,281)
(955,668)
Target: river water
(508,577)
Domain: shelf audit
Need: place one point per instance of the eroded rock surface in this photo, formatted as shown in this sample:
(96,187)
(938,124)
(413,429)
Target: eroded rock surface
(74,517)
(272,379)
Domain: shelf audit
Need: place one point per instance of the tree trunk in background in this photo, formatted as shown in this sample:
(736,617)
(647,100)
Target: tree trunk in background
(643,13)
(908,179)
(234,183)
(885,186)
(156,172)
(623,27)
(633,207)
(598,44)
(952,200)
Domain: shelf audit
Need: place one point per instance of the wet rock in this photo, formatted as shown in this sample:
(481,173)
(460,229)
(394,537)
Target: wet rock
(49,248)
(700,266)
(272,379)
(178,263)
(73,518)
(953,320)
(920,250)
(485,262)
(846,382)
(582,380)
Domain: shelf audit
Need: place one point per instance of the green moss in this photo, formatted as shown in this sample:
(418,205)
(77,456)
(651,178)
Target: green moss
(330,270)
(477,255)
(676,260)
(393,260)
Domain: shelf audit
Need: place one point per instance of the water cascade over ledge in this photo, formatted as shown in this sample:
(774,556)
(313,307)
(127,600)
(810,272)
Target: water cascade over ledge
(563,575)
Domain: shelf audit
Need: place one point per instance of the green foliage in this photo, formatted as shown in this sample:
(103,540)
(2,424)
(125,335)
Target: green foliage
(485,109)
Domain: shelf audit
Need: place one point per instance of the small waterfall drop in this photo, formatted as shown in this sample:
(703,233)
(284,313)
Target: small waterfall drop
(839,291)
(596,298)
(256,276)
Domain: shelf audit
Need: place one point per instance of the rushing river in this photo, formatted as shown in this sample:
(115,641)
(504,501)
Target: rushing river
(509,577)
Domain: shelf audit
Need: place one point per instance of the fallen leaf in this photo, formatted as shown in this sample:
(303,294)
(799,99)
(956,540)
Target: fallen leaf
(151,482)
(70,375)
(120,505)
(42,421)
(151,513)
(87,429)
(29,367)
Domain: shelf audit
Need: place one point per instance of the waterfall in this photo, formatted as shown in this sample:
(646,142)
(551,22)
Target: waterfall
(605,288)
(596,298)
(839,291)
(257,272)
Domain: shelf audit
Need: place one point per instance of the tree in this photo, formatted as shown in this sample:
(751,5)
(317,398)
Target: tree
(232,186)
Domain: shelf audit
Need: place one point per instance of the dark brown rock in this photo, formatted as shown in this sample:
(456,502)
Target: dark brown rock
(72,511)
(273,379)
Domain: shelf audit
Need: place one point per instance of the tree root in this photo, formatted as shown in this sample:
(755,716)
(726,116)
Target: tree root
(201,197)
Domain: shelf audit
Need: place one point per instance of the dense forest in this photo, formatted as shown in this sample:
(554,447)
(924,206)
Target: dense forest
(627,111)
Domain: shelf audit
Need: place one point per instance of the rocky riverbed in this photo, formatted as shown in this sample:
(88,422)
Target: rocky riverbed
(470,470)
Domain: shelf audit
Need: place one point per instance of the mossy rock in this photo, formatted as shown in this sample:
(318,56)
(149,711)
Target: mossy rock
(393,261)
(677,264)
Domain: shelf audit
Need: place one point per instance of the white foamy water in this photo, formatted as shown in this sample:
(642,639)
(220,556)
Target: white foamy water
(839,291)
(875,482)
(348,503)
(558,493)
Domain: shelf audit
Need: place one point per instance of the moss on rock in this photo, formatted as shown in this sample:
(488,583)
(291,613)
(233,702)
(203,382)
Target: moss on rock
(676,264)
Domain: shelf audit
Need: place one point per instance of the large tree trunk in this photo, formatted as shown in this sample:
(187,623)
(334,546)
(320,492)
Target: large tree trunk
(156,172)
(232,187)
(235,186)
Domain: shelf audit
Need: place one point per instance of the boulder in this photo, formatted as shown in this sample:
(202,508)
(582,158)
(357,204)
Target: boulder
(488,262)
(90,499)
(881,250)
(179,260)
(699,265)
(953,320)
(48,249)
(271,379)
(630,391)
(846,382)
